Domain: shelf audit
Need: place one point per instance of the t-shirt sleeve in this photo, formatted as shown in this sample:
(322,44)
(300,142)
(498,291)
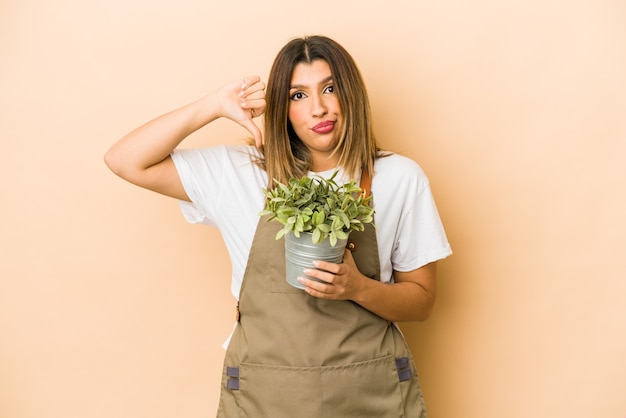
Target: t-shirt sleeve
(200,171)
(420,237)
(428,241)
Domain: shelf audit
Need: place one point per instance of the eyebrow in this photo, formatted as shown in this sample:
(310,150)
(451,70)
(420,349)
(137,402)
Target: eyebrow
(301,86)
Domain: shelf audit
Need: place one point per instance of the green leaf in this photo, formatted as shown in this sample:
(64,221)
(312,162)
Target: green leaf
(325,228)
(280,234)
(341,235)
(299,224)
(344,218)
(317,236)
(285,189)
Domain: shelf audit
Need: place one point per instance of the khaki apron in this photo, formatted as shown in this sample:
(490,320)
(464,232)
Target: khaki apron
(296,356)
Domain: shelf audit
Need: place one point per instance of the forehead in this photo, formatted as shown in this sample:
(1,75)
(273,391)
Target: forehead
(310,74)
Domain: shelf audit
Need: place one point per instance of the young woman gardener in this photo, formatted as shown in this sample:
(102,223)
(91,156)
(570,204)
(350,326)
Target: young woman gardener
(331,350)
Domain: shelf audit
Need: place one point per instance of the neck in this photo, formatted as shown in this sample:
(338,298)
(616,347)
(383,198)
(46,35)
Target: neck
(323,163)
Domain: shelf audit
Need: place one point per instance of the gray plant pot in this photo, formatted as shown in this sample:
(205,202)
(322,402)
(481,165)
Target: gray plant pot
(300,252)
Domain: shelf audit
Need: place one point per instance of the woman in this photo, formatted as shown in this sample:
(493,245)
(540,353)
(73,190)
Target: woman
(332,350)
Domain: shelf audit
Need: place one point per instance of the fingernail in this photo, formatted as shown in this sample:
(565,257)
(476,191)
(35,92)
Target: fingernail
(307,271)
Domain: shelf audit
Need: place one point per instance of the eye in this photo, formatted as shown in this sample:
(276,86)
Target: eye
(329,89)
(298,96)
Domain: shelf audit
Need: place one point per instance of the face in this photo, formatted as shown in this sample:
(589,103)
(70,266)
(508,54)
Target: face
(314,112)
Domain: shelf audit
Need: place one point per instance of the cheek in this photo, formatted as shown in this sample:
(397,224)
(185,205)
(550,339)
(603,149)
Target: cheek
(337,105)
(294,115)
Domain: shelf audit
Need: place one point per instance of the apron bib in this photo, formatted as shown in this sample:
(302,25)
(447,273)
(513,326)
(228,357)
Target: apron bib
(292,355)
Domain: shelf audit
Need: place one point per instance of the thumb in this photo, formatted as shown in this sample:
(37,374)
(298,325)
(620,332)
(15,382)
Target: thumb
(254,130)
(348,258)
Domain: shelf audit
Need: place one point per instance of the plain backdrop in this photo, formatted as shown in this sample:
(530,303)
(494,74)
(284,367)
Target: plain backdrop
(111,305)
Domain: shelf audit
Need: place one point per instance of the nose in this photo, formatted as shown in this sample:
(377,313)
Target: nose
(318,106)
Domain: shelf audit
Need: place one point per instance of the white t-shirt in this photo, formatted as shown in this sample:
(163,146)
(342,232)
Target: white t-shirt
(225,187)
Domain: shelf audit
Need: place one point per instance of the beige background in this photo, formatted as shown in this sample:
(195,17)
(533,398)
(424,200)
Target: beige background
(112,306)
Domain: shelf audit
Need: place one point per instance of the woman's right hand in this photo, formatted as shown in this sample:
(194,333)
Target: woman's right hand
(241,101)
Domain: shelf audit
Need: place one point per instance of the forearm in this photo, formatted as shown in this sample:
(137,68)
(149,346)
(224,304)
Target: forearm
(153,142)
(398,302)
(410,298)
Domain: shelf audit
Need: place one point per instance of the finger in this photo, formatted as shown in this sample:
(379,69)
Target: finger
(326,266)
(315,287)
(253,88)
(254,130)
(348,258)
(249,81)
(324,276)
(250,96)
(257,105)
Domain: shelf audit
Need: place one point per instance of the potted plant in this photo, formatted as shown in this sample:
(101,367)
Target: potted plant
(317,215)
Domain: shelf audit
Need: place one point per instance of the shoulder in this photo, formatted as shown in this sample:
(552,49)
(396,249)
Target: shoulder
(399,170)
(391,159)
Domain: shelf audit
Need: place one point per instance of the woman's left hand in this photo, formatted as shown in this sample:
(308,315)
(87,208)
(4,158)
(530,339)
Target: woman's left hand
(339,281)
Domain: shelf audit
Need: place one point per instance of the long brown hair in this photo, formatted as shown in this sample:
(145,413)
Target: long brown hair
(284,155)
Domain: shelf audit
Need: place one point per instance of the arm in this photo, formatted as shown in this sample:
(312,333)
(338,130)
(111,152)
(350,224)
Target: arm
(142,157)
(410,298)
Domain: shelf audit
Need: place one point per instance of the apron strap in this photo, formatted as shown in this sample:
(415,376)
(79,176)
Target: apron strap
(366,190)
(366,183)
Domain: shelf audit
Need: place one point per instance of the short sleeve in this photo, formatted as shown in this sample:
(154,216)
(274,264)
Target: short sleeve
(409,230)
(192,211)
(421,238)
(201,172)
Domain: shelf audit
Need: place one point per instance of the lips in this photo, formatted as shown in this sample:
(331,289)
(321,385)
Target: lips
(324,127)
